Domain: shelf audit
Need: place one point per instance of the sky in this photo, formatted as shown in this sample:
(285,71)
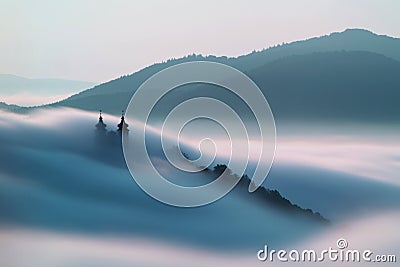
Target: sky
(100,40)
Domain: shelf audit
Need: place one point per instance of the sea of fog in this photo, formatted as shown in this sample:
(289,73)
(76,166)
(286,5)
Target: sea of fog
(66,199)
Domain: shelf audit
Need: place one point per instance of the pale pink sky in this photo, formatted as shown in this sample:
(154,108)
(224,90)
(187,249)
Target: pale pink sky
(100,40)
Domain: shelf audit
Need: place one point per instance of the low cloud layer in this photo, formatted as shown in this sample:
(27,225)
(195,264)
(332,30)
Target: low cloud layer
(55,177)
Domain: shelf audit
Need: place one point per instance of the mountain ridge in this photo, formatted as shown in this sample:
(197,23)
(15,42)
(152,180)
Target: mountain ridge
(270,54)
(113,95)
(362,86)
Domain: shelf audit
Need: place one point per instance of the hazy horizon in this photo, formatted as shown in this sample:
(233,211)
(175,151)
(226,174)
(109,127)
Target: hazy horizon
(22,91)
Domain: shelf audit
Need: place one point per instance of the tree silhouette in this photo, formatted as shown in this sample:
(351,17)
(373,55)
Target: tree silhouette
(270,196)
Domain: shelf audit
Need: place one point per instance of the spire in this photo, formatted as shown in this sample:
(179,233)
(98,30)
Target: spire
(101,126)
(122,126)
(100,117)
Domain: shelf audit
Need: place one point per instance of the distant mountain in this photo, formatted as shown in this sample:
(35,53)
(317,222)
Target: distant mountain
(340,85)
(348,40)
(343,76)
(12,108)
(25,91)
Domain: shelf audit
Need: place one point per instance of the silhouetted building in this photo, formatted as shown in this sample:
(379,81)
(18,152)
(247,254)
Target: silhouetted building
(110,138)
(101,126)
(122,126)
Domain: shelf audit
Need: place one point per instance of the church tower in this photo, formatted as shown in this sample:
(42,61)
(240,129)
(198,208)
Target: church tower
(122,126)
(101,126)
